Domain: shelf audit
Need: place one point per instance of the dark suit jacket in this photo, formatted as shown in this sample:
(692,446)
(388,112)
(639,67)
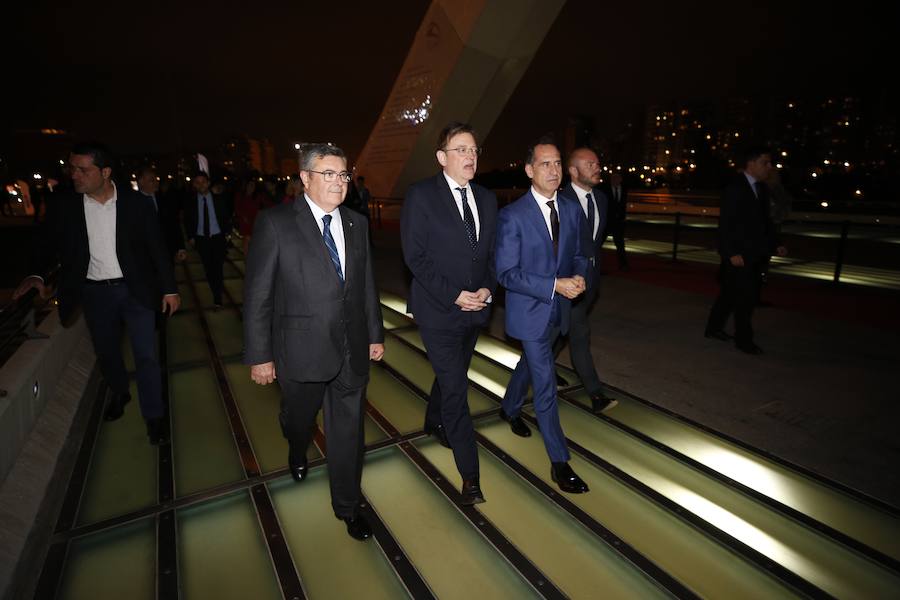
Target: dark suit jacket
(296,311)
(744,224)
(139,248)
(167,210)
(527,268)
(437,251)
(591,245)
(617,210)
(223,205)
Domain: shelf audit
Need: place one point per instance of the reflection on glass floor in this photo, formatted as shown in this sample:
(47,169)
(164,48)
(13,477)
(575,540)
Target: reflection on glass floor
(674,510)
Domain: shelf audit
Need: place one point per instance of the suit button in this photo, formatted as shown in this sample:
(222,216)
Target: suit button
(474,259)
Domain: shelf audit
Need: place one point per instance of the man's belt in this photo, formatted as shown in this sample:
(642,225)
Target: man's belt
(104,281)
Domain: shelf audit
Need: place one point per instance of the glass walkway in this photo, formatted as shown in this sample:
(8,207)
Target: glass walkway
(675,509)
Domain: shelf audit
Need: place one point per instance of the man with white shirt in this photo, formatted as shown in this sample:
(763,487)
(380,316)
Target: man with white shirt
(207,223)
(584,172)
(541,264)
(447,227)
(312,321)
(112,264)
(746,238)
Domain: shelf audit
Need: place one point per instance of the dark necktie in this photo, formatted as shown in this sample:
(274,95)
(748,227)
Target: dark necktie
(591,215)
(468,219)
(205,217)
(554,227)
(332,248)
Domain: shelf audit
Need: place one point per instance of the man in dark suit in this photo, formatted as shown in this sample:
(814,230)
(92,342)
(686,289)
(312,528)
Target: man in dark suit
(166,208)
(312,316)
(617,194)
(112,264)
(207,220)
(746,239)
(584,172)
(447,227)
(542,267)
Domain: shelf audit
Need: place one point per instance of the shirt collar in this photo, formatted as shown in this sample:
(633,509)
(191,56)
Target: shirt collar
(751,179)
(453,185)
(541,199)
(112,200)
(581,193)
(317,211)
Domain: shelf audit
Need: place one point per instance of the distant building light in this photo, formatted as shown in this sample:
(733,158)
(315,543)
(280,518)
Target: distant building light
(737,134)
(296,146)
(692,151)
(642,175)
(709,137)
(846,164)
(790,105)
(823,204)
(784,152)
(646,168)
(678,168)
(826,162)
(187,178)
(667,152)
(814,174)
(62,162)
(134,186)
(779,166)
(693,166)
(858,192)
(37,176)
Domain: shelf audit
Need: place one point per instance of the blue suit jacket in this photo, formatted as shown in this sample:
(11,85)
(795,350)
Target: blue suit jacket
(527,268)
(590,245)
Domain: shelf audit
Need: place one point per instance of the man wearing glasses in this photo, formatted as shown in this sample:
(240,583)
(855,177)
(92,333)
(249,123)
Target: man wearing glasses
(447,228)
(312,321)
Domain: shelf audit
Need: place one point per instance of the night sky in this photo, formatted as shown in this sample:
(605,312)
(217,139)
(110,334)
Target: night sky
(163,78)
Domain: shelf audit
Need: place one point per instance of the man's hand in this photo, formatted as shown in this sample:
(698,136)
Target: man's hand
(171,302)
(570,287)
(263,374)
(483,294)
(376,351)
(781,251)
(28,283)
(737,260)
(181,255)
(470,301)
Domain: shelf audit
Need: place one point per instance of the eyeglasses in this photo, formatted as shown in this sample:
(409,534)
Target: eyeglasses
(465,150)
(330,175)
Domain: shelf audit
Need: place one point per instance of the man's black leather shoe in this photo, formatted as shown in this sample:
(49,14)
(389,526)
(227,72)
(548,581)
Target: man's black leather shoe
(298,472)
(599,403)
(156,431)
(116,407)
(358,527)
(471,492)
(750,348)
(566,479)
(717,334)
(517,425)
(438,432)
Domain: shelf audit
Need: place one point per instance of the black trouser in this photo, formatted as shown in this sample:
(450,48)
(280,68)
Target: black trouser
(342,401)
(617,231)
(212,253)
(450,353)
(106,307)
(579,337)
(739,292)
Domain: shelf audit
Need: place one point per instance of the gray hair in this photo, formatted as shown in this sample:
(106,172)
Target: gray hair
(309,153)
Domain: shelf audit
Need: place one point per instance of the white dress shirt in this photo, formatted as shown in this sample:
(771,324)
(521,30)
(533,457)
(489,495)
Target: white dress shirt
(582,199)
(545,210)
(470,200)
(337,229)
(101,231)
(752,181)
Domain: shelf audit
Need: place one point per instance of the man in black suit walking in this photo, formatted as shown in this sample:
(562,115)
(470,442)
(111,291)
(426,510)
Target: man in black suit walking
(207,220)
(112,264)
(584,172)
(166,208)
(746,239)
(312,319)
(447,228)
(617,195)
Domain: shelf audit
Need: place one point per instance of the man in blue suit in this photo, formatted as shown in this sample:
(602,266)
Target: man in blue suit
(584,171)
(447,228)
(542,267)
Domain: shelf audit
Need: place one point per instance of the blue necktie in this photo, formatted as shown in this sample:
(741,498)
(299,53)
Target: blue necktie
(590,215)
(332,248)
